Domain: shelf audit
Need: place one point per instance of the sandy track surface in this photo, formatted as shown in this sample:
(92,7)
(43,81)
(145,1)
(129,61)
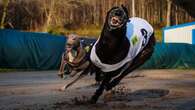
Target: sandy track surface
(141,90)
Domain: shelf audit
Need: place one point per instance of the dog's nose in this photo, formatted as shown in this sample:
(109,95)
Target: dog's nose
(115,21)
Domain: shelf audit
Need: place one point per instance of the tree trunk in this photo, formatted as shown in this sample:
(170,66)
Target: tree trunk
(5,3)
(143,8)
(176,15)
(133,8)
(169,3)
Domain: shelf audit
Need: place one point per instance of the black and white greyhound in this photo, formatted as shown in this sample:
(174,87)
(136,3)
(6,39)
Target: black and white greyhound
(124,45)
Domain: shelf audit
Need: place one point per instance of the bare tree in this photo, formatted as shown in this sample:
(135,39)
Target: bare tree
(169,3)
(5,4)
(133,8)
(71,14)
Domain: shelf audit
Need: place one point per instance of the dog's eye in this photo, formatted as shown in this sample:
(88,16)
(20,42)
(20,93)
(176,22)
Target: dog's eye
(118,13)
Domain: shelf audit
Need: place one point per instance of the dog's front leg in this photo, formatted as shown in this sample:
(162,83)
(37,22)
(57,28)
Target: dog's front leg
(100,90)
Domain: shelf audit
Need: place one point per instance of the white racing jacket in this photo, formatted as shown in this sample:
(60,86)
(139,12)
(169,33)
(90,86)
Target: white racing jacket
(138,32)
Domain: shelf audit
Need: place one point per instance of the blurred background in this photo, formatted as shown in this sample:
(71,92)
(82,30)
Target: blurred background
(86,17)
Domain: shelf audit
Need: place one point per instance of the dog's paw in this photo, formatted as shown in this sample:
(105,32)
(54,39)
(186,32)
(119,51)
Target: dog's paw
(62,88)
(60,75)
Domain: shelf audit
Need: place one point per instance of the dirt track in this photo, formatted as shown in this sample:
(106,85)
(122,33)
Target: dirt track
(141,90)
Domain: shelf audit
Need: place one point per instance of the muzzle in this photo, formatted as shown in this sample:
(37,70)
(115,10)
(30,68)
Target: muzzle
(117,18)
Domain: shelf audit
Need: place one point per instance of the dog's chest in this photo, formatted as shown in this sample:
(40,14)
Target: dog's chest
(138,33)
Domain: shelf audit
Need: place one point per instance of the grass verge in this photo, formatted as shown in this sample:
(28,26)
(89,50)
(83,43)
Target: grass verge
(92,32)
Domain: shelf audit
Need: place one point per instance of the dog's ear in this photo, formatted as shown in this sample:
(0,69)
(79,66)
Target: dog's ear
(126,10)
(112,9)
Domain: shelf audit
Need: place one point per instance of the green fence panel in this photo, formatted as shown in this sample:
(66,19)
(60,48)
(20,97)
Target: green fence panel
(171,56)
(43,51)
(30,50)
